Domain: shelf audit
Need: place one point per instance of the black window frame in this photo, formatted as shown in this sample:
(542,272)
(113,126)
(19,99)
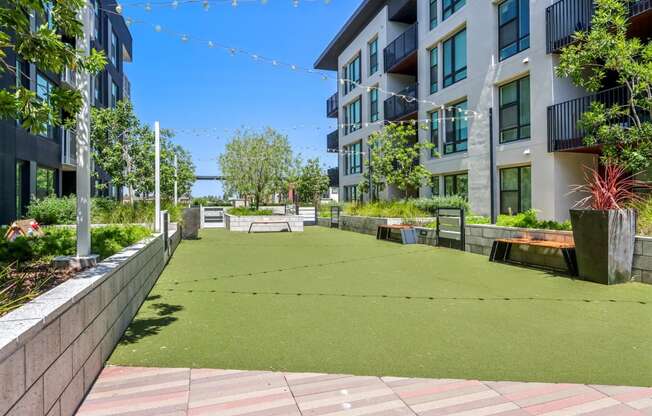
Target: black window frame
(373,105)
(456,134)
(522,41)
(435,185)
(519,127)
(353,160)
(518,191)
(352,125)
(373,56)
(450,7)
(352,80)
(351,193)
(456,75)
(455,181)
(434,70)
(434,131)
(433,14)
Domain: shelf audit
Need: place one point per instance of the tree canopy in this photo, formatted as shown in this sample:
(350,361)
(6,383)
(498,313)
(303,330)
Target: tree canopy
(47,48)
(607,53)
(312,182)
(258,165)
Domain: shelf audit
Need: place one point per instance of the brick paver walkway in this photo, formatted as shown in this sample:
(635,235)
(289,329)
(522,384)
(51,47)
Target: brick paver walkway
(166,392)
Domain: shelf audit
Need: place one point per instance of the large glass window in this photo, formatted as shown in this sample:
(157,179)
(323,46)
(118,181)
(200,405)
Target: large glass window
(114,49)
(373,56)
(351,193)
(451,6)
(434,70)
(455,58)
(433,14)
(44,182)
(513,27)
(434,185)
(114,94)
(373,105)
(457,130)
(352,75)
(434,132)
(515,110)
(19,188)
(457,184)
(352,117)
(97,89)
(44,88)
(515,190)
(353,158)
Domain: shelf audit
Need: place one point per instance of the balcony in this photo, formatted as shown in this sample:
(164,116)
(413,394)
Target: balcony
(68,150)
(333,142)
(401,55)
(334,177)
(403,11)
(564,132)
(566,17)
(398,108)
(332,106)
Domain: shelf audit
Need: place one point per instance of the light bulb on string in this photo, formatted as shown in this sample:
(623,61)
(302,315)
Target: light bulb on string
(184,38)
(295,3)
(148,7)
(234,3)
(211,44)
(158,28)
(206,5)
(118,8)
(174,4)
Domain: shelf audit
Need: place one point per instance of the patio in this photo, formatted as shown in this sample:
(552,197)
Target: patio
(330,301)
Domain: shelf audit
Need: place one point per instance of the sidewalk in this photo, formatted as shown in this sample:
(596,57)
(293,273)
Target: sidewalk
(165,392)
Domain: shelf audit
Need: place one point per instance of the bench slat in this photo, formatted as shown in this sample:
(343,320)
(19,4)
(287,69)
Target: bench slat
(536,243)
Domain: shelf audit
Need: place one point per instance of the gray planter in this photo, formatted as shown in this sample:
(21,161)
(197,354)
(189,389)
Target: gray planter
(604,242)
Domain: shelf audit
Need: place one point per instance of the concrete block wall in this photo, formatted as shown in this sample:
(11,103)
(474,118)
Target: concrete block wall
(53,348)
(365,225)
(242,224)
(643,260)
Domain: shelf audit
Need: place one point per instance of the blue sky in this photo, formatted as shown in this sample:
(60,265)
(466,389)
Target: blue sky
(188,85)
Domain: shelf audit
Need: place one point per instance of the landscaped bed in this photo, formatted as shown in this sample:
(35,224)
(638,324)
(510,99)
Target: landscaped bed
(340,302)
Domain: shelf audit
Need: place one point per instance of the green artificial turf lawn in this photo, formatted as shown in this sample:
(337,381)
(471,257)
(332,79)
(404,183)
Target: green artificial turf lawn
(340,302)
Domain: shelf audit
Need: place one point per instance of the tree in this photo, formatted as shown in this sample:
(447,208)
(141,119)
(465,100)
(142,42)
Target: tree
(50,48)
(598,55)
(124,148)
(395,159)
(257,165)
(312,182)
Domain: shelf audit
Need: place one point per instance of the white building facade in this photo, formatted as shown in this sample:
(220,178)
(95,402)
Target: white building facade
(482,74)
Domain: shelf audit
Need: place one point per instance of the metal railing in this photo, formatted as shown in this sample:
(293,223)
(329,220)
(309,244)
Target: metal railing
(334,177)
(403,46)
(68,148)
(333,142)
(564,131)
(332,106)
(398,107)
(566,17)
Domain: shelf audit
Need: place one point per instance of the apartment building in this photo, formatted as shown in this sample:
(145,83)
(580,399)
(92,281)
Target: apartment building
(504,126)
(34,166)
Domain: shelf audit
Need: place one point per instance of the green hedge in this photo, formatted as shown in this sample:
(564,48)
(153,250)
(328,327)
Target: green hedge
(249,212)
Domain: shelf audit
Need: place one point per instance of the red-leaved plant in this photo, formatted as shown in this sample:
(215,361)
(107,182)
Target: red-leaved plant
(612,190)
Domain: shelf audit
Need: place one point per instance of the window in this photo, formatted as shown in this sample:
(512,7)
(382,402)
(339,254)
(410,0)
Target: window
(455,58)
(457,185)
(353,158)
(515,110)
(451,6)
(434,132)
(457,132)
(114,94)
(44,88)
(352,75)
(513,27)
(48,14)
(352,117)
(434,185)
(433,14)
(351,193)
(97,90)
(19,188)
(373,56)
(434,69)
(44,182)
(114,49)
(373,105)
(96,9)
(515,190)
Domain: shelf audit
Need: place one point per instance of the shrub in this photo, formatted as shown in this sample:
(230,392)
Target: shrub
(53,210)
(210,201)
(386,209)
(325,209)
(644,209)
(430,205)
(528,219)
(249,212)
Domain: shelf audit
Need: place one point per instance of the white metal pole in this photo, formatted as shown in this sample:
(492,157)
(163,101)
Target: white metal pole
(176,170)
(157,177)
(83,173)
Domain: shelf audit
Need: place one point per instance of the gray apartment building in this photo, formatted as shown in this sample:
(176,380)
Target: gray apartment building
(505,127)
(33,166)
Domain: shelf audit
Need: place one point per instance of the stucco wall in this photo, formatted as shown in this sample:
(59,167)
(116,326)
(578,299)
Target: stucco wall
(242,224)
(53,348)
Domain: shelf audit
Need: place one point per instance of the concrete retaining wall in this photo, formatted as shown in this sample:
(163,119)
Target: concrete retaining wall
(324,222)
(53,348)
(242,224)
(365,225)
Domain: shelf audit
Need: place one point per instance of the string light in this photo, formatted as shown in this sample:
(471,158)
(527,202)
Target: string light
(234,3)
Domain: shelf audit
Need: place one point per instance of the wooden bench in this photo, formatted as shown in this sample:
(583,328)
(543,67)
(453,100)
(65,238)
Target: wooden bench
(408,233)
(502,247)
(268,223)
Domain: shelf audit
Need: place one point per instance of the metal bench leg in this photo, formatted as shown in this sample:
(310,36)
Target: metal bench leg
(571,260)
(508,251)
(494,248)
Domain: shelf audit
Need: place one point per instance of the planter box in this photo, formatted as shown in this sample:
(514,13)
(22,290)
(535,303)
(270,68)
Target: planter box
(366,225)
(242,224)
(605,242)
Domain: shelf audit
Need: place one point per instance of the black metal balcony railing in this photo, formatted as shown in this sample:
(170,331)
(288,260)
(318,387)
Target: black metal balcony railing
(401,47)
(334,177)
(398,107)
(564,131)
(566,17)
(333,142)
(332,106)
